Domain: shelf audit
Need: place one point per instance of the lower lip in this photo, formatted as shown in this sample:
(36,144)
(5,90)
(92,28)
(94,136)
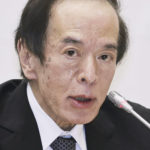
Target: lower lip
(79,104)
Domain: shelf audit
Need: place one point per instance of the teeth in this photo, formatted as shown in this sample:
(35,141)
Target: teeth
(82,99)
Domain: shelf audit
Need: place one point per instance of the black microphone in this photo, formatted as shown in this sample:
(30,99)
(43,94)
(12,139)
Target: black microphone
(120,102)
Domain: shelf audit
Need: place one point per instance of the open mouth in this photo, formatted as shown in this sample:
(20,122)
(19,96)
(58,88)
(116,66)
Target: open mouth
(82,101)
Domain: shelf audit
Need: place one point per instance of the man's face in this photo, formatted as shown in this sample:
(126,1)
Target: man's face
(80,61)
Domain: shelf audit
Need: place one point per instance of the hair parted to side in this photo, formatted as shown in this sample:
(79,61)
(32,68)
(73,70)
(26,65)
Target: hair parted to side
(34,21)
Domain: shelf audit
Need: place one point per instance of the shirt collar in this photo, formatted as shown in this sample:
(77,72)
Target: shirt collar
(48,129)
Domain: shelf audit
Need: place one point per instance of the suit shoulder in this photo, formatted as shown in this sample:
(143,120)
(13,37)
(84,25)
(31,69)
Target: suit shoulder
(141,110)
(8,87)
(109,108)
(123,129)
(122,118)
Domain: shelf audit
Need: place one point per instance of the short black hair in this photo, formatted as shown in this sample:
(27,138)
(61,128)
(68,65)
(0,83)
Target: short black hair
(34,21)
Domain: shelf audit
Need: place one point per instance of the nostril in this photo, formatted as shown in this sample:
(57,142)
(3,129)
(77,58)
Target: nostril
(83,80)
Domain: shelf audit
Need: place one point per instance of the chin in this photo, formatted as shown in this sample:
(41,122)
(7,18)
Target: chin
(84,119)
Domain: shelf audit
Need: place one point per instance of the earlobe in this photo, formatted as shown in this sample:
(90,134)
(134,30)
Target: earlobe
(26,61)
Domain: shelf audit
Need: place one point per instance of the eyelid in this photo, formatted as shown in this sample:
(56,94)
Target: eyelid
(99,57)
(67,48)
(110,54)
(72,48)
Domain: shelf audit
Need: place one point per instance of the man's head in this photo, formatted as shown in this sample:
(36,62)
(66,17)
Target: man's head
(35,19)
(68,51)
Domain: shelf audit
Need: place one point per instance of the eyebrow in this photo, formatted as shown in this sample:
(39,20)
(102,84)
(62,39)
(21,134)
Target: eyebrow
(70,40)
(111,46)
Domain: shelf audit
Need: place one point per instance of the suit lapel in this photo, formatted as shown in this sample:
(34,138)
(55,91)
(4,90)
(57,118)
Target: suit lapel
(100,130)
(18,124)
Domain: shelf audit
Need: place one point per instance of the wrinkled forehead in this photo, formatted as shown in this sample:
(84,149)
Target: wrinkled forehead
(77,13)
(91,22)
(77,3)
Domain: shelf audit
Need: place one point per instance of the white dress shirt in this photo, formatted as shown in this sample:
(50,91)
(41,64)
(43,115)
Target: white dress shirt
(49,130)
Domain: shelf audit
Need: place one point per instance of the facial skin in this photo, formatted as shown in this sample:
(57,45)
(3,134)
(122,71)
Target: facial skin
(80,61)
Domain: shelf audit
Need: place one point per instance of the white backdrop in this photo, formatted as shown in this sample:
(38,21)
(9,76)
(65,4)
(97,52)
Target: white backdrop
(132,77)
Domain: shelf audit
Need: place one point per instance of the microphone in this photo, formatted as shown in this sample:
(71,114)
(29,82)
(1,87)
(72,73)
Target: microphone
(120,102)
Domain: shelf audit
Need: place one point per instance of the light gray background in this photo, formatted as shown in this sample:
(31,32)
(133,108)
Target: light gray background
(132,77)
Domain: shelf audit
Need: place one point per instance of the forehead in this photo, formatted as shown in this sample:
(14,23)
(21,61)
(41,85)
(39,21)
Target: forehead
(82,8)
(76,16)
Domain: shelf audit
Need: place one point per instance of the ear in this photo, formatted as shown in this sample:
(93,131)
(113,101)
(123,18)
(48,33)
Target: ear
(27,60)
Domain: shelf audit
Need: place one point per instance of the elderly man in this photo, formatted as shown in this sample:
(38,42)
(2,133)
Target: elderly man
(68,51)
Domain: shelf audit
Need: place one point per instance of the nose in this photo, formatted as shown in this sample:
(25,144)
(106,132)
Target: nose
(87,72)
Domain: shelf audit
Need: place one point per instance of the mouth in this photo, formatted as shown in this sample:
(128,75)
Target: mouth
(82,101)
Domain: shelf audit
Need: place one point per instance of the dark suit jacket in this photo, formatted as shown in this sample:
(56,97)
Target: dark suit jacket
(113,129)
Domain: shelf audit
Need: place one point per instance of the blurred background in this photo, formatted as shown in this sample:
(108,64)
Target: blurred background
(132,78)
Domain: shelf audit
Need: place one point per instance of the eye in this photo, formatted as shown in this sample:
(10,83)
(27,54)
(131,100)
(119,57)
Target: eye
(71,52)
(105,57)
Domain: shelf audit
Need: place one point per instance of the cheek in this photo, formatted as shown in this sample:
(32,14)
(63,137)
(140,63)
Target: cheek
(108,71)
(58,75)
(106,75)
(110,74)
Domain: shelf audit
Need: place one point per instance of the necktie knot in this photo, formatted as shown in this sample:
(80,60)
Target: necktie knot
(64,144)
